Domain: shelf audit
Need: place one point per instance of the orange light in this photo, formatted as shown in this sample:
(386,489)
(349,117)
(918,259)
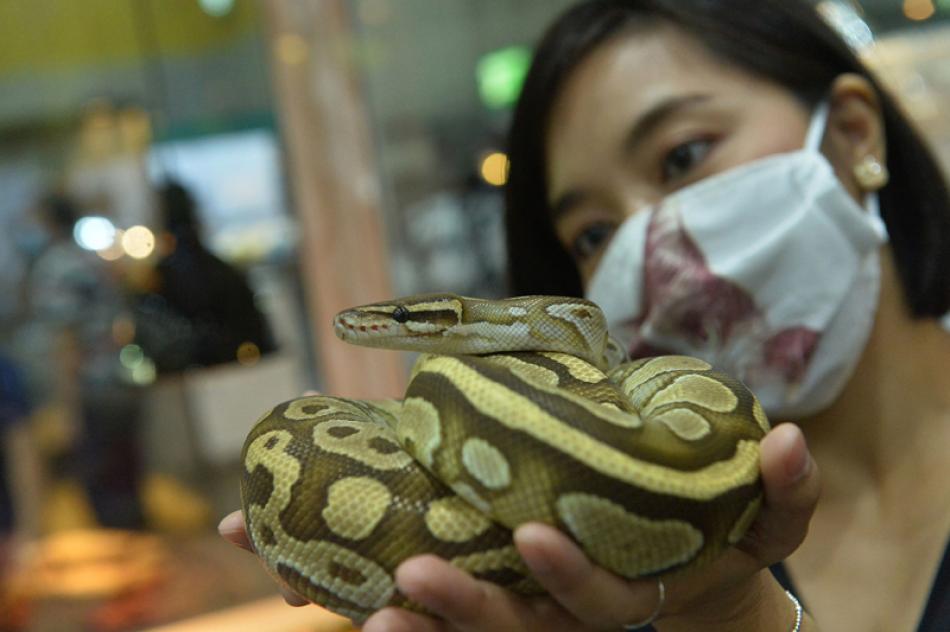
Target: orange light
(248,354)
(918,10)
(495,169)
(114,251)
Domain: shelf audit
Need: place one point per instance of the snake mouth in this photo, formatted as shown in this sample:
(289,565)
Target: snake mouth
(364,330)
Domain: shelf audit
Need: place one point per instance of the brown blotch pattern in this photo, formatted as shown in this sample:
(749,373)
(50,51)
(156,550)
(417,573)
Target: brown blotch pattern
(383,446)
(342,432)
(347,574)
(267,535)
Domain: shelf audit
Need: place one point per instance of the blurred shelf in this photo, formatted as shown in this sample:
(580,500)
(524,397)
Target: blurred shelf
(112,581)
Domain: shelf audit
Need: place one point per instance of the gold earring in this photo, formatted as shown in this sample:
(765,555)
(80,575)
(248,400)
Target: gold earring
(871,174)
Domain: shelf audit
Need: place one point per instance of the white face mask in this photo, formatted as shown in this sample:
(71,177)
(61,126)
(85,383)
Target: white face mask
(769,271)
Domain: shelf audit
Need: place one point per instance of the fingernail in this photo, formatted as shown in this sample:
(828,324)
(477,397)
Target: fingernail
(231,522)
(798,466)
(536,559)
(412,581)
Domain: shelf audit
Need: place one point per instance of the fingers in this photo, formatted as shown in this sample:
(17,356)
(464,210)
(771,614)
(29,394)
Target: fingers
(464,602)
(468,605)
(292,598)
(583,592)
(792,486)
(591,594)
(399,620)
(791,482)
(233,530)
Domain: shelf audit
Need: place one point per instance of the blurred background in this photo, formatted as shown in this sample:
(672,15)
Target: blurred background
(189,190)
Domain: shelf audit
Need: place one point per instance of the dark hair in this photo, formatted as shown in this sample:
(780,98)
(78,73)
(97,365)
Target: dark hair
(177,208)
(784,41)
(60,212)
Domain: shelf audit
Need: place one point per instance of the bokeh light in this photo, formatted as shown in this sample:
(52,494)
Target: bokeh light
(138,242)
(495,168)
(94,233)
(500,75)
(144,372)
(918,10)
(216,8)
(113,251)
(131,356)
(248,354)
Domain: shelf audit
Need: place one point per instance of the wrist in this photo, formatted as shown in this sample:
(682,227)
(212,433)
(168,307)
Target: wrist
(759,603)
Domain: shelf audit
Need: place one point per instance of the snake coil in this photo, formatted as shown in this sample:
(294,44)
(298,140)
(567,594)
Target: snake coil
(519,410)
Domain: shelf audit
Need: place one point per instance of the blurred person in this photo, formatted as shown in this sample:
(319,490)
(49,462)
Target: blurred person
(729,181)
(20,493)
(19,472)
(74,300)
(201,309)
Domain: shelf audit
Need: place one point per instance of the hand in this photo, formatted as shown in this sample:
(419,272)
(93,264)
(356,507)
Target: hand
(233,529)
(727,595)
(584,597)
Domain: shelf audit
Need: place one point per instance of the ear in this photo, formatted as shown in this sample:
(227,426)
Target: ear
(855,127)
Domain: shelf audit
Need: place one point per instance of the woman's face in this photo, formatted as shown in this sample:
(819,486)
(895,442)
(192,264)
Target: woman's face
(645,115)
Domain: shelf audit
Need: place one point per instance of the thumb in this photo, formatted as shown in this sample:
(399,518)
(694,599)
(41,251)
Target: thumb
(792,485)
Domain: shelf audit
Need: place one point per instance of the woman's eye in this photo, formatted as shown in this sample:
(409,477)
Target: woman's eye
(590,240)
(682,158)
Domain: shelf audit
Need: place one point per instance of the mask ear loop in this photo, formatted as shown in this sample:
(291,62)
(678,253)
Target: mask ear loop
(816,132)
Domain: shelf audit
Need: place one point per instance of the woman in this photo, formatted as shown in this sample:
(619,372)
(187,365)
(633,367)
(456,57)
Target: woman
(665,161)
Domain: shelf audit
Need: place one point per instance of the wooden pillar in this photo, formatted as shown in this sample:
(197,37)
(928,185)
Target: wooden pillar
(334,186)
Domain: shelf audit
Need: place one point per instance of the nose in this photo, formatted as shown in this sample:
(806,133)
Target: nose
(339,328)
(640,202)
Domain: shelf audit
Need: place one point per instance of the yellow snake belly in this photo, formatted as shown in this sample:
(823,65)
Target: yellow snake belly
(651,466)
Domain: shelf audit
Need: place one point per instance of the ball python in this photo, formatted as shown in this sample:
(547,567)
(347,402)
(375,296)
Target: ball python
(517,410)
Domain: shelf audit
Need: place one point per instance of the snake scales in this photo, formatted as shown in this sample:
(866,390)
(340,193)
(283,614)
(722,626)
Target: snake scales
(520,410)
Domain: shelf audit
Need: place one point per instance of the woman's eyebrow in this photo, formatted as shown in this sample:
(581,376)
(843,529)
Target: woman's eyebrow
(565,203)
(642,127)
(658,114)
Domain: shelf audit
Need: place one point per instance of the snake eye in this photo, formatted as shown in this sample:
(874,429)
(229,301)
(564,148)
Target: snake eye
(400,314)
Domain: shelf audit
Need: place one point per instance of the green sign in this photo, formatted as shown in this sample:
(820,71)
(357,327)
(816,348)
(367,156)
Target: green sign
(500,74)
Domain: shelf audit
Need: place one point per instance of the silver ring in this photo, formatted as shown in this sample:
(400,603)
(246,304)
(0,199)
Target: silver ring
(656,611)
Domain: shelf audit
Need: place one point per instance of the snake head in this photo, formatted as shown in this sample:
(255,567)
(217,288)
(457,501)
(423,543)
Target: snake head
(415,323)
(448,324)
